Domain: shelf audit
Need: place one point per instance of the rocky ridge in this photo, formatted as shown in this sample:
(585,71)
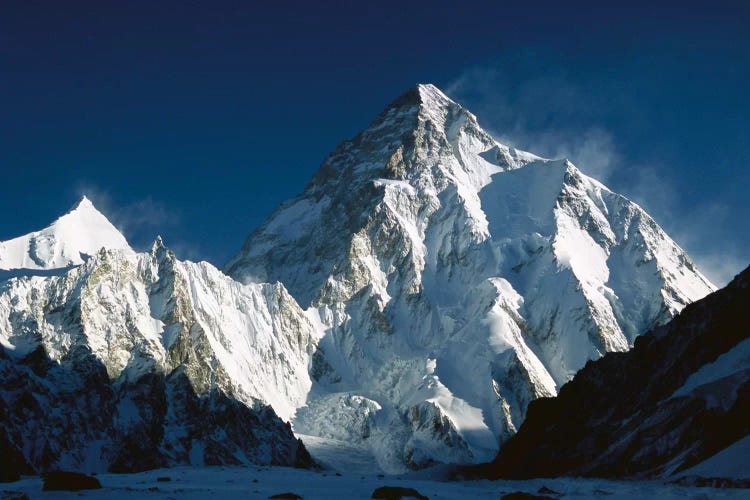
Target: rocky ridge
(134,361)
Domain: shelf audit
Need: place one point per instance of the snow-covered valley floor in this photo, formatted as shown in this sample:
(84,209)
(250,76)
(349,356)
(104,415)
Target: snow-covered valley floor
(262,482)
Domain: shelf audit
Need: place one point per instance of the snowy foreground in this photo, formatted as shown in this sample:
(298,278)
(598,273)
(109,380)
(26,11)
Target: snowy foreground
(349,473)
(262,482)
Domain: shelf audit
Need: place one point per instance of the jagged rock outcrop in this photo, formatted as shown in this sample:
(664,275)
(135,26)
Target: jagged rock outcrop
(134,361)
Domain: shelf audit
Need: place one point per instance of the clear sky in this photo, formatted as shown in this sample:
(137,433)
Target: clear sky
(194,120)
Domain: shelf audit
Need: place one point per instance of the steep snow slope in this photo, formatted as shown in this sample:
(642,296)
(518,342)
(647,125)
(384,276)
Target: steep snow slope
(455,279)
(67,242)
(680,397)
(130,361)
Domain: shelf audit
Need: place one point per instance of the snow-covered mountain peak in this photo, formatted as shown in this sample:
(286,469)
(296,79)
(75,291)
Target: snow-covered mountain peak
(455,279)
(67,242)
(422,143)
(430,91)
(423,95)
(428,98)
(418,106)
(84,204)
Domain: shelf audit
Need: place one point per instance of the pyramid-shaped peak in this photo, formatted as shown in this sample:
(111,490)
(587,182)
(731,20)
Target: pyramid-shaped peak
(430,93)
(424,95)
(81,232)
(84,202)
(84,212)
(82,206)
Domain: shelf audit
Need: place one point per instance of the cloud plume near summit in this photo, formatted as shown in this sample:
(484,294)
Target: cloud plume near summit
(529,105)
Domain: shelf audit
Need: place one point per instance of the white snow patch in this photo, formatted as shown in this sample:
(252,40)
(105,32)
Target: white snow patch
(731,462)
(402,186)
(735,362)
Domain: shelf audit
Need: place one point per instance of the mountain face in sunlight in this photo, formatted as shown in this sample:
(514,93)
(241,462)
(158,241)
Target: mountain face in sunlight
(453,280)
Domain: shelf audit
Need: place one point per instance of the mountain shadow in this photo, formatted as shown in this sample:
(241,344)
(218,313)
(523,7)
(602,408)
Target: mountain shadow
(681,395)
(71,416)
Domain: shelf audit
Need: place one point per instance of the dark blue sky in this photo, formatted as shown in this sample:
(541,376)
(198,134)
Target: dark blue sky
(195,119)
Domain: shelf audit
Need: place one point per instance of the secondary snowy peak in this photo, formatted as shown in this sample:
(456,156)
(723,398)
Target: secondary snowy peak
(67,242)
(455,279)
(150,361)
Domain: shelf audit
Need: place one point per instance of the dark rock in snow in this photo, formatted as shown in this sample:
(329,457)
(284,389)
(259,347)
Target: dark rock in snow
(397,493)
(522,495)
(69,481)
(548,491)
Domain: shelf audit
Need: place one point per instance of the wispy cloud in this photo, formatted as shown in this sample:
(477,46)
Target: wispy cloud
(528,106)
(721,269)
(697,228)
(699,231)
(140,221)
(527,113)
(592,149)
(186,250)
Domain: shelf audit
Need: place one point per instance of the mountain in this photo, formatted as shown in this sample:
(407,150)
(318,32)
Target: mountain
(678,403)
(427,285)
(131,361)
(67,242)
(453,280)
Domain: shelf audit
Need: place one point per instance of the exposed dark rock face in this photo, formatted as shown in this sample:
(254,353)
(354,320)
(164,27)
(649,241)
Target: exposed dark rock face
(51,413)
(12,461)
(640,413)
